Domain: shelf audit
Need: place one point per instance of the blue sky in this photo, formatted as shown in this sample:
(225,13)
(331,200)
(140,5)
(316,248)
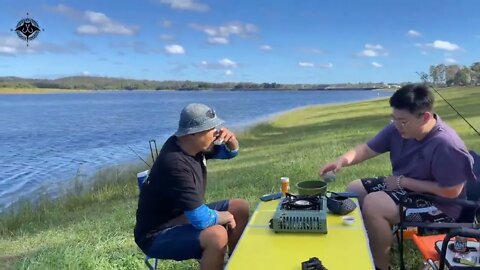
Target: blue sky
(285,41)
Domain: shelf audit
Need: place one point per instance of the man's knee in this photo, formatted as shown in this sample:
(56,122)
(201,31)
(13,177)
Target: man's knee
(356,186)
(214,237)
(238,207)
(380,205)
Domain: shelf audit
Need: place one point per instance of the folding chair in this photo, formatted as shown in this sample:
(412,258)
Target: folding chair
(466,224)
(141,178)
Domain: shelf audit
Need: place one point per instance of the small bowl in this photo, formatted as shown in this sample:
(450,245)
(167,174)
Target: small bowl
(312,188)
(348,220)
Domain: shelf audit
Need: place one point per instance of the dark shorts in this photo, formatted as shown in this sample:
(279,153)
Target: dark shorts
(181,242)
(417,208)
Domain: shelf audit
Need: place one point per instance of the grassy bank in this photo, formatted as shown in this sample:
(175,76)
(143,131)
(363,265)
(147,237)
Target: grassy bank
(93,230)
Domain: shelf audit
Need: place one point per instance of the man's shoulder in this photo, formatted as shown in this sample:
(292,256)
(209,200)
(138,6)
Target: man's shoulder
(447,137)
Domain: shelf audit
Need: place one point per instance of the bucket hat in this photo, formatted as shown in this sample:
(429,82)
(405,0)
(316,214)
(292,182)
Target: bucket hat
(196,117)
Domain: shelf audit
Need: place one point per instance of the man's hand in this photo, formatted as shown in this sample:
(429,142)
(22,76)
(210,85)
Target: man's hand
(226,218)
(332,167)
(228,137)
(392,182)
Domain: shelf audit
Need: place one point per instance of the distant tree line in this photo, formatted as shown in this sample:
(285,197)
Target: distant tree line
(454,75)
(107,83)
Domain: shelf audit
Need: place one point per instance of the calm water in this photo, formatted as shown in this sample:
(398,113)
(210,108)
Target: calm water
(46,140)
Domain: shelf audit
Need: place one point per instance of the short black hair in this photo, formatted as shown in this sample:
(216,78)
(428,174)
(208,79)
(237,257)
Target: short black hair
(416,98)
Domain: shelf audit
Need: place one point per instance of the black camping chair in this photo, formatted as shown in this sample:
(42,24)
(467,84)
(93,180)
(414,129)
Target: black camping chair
(466,224)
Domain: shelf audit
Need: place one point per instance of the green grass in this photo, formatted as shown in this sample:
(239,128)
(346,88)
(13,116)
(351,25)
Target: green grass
(91,228)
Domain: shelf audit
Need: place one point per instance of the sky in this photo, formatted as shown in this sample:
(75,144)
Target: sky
(283,41)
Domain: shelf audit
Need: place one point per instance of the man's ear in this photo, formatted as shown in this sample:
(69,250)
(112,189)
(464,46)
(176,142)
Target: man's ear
(427,116)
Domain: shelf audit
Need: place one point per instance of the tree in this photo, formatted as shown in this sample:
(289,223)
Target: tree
(463,77)
(475,68)
(450,73)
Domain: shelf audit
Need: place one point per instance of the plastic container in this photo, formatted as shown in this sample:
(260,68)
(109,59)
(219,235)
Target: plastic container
(285,184)
(142,177)
(348,220)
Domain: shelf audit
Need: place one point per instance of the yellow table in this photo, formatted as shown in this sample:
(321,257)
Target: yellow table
(344,247)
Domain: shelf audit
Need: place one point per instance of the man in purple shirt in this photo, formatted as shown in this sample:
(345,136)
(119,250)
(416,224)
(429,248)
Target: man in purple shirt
(427,156)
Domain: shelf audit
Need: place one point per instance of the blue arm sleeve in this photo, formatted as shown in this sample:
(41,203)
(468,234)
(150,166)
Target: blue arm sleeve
(222,152)
(202,217)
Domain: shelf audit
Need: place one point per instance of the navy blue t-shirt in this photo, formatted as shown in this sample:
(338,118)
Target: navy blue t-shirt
(176,184)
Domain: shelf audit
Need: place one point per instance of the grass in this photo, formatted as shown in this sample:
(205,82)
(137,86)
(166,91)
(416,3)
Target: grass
(92,227)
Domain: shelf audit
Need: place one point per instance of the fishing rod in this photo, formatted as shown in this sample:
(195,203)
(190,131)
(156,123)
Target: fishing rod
(424,78)
(139,156)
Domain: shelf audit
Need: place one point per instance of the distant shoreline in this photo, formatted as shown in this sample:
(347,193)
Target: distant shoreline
(10,91)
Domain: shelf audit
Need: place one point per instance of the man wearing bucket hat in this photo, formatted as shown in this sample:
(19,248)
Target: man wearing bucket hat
(427,156)
(173,222)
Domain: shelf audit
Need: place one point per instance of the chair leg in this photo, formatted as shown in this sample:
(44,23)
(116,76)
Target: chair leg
(430,265)
(400,247)
(155,263)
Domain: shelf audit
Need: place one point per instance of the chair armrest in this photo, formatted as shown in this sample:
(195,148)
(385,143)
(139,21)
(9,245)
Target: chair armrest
(462,202)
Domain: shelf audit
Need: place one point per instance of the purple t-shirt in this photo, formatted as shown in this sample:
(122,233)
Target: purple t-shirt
(440,157)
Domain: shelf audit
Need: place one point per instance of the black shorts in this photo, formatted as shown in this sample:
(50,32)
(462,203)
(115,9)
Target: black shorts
(417,208)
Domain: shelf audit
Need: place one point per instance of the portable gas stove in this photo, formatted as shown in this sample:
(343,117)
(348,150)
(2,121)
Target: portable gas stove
(300,214)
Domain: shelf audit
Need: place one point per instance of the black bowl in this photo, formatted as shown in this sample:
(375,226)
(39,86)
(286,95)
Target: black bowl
(340,205)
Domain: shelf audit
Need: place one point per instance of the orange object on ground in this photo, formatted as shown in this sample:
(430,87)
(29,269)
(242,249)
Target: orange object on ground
(409,232)
(426,245)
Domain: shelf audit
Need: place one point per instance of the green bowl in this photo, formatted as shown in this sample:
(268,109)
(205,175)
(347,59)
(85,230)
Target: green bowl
(312,188)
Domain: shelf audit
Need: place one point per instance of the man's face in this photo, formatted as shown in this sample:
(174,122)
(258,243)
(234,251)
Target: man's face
(408,125)
(204,140)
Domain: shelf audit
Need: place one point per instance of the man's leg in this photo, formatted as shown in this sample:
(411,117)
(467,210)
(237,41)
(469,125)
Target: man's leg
(213,241)
(380,213)
(356,186)
(239,209)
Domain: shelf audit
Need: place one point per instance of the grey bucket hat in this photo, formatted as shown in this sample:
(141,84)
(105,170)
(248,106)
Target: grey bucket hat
(196,117)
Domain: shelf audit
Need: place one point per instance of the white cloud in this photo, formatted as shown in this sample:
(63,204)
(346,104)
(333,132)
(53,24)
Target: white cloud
(450,60)
(167,37)
(328,65)
(228,72)
(86,73)
(444,45)
(413,33)
(220,34)
(225,62)
(165,23)
(174,49)
(266,48)
(377,65)
(101,24)
(10,45)
(186,5)
(306,64)
(376,47)
(218,40)
(312,65)
(311,50)
(88,30)
(369,53)
(373,50)
(67,11)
